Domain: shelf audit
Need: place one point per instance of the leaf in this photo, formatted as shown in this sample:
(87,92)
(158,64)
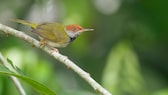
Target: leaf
(121,75)
(10,62)
(17,69)
(42,89)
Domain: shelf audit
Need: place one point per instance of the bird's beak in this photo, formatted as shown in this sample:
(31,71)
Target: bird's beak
(84,30)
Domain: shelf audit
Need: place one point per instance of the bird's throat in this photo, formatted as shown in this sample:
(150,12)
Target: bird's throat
(72,39)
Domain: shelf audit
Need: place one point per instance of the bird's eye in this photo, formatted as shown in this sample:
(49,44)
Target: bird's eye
(75,29)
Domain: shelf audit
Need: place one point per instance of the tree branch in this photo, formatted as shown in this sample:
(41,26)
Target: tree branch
(63,59)
(14,79)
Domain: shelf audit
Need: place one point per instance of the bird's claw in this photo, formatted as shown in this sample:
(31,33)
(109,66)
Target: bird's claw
(42,42)
(55,50)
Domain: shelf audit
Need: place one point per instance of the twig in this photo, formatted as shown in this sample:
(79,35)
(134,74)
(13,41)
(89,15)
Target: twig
(14,79)
(63,59)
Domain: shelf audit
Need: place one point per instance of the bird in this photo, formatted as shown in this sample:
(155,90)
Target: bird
(54,34)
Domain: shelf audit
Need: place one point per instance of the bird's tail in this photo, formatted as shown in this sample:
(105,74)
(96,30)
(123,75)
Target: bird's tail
(32,25)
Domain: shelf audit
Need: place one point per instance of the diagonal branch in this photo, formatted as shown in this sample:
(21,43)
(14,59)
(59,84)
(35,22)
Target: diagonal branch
(63,59)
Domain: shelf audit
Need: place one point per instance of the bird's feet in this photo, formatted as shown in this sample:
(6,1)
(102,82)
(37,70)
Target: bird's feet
(42,42)
(54,49)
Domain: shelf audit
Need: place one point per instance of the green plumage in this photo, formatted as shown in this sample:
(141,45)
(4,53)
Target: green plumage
(54,33)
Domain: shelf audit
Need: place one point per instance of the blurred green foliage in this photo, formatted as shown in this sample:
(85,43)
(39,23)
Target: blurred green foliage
(42,89)
(127,53)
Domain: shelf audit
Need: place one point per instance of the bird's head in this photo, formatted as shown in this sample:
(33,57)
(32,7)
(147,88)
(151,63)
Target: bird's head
(74,30)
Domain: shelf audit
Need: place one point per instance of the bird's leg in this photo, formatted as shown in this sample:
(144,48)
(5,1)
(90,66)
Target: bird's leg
(54,49)
(42,42)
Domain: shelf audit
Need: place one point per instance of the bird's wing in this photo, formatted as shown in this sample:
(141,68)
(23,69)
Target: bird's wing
(53,32)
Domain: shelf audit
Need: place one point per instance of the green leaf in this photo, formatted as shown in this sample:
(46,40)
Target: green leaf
(42,89)
(10,62)
(17,69)
(121,75)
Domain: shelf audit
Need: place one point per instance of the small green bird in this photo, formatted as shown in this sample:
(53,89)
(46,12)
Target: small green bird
(54,34)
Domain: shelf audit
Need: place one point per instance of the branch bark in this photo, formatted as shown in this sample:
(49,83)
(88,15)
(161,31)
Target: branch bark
(63,59)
